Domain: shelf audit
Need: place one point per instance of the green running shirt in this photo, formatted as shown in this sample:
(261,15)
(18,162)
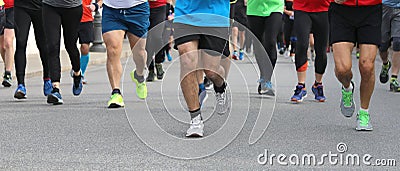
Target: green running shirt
(264,8)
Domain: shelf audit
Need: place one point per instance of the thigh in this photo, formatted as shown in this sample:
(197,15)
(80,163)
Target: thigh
(320,29)
(303,23)
(110,20)
(86,32)
(272,25)
(70,20)
(368,32)
(341,28)
(23,23)
(137,19)
(9,24)
(386,24)
(395,30)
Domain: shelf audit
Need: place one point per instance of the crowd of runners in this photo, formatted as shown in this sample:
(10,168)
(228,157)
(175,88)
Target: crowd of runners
(208,35)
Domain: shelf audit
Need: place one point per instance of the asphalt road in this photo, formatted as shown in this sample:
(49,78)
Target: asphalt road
(83,134)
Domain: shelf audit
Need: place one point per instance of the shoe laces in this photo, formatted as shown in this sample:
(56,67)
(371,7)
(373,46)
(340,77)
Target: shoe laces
(364,118)
(347,98)
(268,84)
(195,122)
(320,90)
(220,98)
(298,89)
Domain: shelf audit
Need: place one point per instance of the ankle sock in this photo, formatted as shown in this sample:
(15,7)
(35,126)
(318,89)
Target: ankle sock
(220,89)
(195,113)
(139,78)
(116,91)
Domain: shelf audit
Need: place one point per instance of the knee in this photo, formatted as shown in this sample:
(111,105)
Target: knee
(342,71)
(366,67)
(210,74)
(84,49)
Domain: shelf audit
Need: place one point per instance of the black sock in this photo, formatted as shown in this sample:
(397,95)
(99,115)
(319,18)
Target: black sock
(302,84)
(317,83)
(220,89)
(139,78)
(7,72)
(77,80)
(116,91)
(55,90)
(385,63)
(195,113)
(394,76)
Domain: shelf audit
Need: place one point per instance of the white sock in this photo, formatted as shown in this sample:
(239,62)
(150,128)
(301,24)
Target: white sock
(365,110)
(350,88)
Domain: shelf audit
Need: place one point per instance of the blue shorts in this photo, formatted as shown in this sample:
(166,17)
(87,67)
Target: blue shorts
(135,20)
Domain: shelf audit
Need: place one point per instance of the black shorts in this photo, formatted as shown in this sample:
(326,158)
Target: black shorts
(240,16)
(360,24)
(86,32)
(214,39)
(2,19)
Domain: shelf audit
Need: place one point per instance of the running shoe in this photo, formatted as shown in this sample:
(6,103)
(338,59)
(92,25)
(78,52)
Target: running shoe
(235,55)
(347,105)
(299,94)
(318,92)
(151,76)
(363,123)
(77,85)
(169,57)
(116,101)
(202,97)
(281,51)
(141,88)
(7,80)
(222,101)
(160,71)
(208,83)
(47,87)
(384,76)
(196,127)
(241,54)
(265,87)
(20,92)
(394,85)
(55,98)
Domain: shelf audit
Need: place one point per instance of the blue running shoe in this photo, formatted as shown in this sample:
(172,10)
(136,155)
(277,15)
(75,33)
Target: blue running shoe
(265,87)
(20,93)
(47,87)
(55,98)
(241,54)
(299,94)
(77,85)
(202,97)
(318,92)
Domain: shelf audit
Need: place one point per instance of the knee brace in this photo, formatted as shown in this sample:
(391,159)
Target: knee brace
(396,44)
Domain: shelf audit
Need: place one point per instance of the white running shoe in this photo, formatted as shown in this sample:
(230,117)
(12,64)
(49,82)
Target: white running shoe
(196,127)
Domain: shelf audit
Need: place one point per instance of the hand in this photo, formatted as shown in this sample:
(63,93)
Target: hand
(340,1)
(91,7)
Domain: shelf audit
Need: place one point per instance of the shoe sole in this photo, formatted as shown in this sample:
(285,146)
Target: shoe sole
(53,100)
(19,95)
(194,135)
(6,84)
(364,129)
(115,105)
(321,100)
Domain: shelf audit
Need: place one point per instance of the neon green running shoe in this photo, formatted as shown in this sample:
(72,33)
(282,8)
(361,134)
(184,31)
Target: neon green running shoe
(363,121)
(347,106)
(394,85)
(116,101)
(141,88)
